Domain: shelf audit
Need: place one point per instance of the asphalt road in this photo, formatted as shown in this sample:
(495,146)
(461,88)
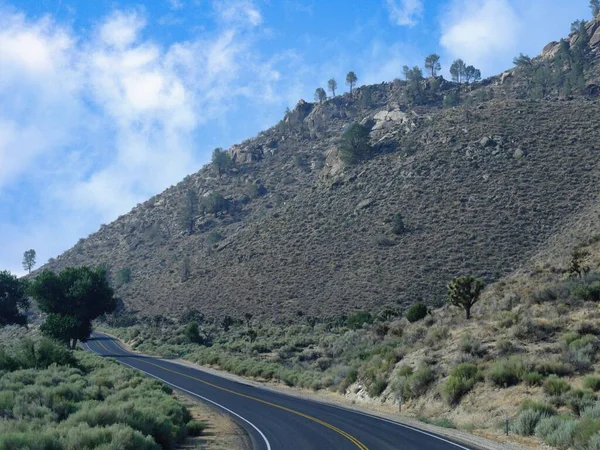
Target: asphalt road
(274,420)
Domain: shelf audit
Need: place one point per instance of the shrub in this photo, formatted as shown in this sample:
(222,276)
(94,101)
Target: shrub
(592,382)
(533,378)
(416,312)
(526,422)
(555,386)
(587,292)
(455,388)
(420,380)
(195,428)
(553,367)
(557,431)
(578,400)
(356,320)
(594,442)
(470,345)
(541,407)
(505,347)
(507,372)
(376,388)
(592,411)
(461,380)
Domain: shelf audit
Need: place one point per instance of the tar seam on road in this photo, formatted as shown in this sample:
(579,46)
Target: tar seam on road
(348,436)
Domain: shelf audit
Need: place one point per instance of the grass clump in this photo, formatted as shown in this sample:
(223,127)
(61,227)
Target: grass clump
(592,382)
(507,372)
(526,422)
(195,428)
(554,386)
(460,382)
(557,431)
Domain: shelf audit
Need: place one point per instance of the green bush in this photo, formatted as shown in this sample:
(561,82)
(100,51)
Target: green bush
(587,292)
(470,345)
(541,407)
(554,367)
(455,388)
(461,380)
(526,422)
(420,380)
(416,312)
(555,386)
(195,428)
(557,431)
(533,378)
(507,372)
(356,320)
(592,382)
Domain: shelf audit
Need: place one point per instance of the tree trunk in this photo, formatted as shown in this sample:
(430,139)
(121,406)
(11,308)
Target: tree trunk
(74,345)
(468,311)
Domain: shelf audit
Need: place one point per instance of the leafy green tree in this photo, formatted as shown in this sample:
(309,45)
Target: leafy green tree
(189,211)
(524,65)
(564,56)
(464,292)
(29,260)
(414,85)
(72,299)
(332,84)
(472,74)
(576,25)
(581,48)
(221,160)
(595,7)
(543,80)
(432,64)
(457,70)
(192,333)
(320,95)
(351,80)
(227,322)
(354,145)
(13,299)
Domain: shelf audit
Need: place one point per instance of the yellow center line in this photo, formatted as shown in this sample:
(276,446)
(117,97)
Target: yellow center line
(351,438)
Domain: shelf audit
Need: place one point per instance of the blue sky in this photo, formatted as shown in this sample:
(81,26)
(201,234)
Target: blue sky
(106,103)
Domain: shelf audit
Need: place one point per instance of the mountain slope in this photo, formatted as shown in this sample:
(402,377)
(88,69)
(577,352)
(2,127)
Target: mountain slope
(481,187)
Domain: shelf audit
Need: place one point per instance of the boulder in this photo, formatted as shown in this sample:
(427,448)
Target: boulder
(246,154)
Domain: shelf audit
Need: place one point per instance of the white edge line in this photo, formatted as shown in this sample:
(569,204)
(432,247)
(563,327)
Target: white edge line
(356,412)
(195,395)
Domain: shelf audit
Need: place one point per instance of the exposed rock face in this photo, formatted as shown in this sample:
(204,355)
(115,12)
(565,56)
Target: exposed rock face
(241,154)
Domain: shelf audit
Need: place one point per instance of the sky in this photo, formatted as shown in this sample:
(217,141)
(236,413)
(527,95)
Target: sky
(106,103)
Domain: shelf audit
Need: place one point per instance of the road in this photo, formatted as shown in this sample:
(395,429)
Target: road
(274,420)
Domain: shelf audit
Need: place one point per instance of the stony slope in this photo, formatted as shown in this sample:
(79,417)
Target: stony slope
(481,187)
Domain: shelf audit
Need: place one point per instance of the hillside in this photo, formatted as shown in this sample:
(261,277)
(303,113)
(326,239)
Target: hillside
(482,187)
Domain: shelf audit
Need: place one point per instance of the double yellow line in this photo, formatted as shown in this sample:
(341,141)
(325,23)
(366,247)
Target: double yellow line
(351,438)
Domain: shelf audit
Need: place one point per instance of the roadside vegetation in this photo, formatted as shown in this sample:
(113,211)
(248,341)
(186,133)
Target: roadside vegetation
(52,398)
(529,348)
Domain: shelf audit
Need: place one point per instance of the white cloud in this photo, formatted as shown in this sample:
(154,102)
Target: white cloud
(121,29)
(405,12)
(489,33)
(92,124)
(238,12)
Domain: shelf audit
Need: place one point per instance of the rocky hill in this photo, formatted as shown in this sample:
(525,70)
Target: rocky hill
(481,187)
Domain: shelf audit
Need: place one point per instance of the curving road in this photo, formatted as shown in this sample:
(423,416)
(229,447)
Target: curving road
(274,420)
